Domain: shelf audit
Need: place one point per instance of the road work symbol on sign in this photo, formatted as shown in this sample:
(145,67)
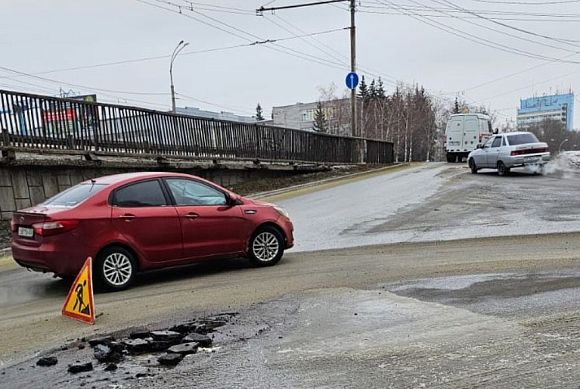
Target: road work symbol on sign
(79,303)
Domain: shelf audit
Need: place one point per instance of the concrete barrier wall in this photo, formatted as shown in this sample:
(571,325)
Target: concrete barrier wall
(24,186)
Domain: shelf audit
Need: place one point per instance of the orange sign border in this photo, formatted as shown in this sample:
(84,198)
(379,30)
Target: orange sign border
(88,264)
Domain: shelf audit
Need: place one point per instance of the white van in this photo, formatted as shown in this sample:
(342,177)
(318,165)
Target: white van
(464,132)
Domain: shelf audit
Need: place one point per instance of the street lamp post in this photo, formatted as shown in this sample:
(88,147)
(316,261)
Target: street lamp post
(180,46)
(562,144)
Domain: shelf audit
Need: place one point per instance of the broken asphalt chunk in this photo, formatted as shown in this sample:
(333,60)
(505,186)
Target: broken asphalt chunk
(111,367)
(170,359)
(111,353)
(80,367)
(135,346)
(167,336)
(47,361)
(140,335)
(184,348)
(203,340)
(102,340)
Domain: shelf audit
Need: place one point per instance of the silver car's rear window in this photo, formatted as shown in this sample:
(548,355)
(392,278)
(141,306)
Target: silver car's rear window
(522,139)
(75,195)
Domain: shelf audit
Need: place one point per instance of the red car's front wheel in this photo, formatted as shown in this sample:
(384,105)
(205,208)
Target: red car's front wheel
(266,246)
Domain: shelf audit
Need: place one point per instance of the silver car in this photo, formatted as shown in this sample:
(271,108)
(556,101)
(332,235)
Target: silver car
(509,150)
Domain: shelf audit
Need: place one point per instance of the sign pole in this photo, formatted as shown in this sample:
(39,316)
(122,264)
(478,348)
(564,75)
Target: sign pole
(353,67)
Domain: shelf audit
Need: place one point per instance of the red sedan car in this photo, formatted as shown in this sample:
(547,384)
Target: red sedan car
(142,221)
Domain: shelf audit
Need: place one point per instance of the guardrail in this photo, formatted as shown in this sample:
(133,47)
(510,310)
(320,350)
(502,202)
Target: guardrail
(44,122)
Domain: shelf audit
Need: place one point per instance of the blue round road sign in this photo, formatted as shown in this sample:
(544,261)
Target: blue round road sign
(351,80)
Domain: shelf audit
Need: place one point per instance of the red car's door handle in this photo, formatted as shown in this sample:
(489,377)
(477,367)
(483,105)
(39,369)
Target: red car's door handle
(192,215)
(127,217)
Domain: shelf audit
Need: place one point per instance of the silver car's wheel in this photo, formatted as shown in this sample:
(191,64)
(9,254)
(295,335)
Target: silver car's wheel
(502,170)
(117,269)
(472,166)
(266,246)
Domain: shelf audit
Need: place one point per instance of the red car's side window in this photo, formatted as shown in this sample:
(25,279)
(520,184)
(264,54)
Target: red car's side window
(188,193)
(141,194)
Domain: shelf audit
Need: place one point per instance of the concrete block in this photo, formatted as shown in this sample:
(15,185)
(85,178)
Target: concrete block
(64,180)
(37,195)
(50,184)
(76,178)
(23,203)
(7,203)
(34,178)
(6,215)
(5,177)
(20,184)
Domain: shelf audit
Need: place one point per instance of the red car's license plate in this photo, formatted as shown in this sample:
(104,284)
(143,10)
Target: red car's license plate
(25,232)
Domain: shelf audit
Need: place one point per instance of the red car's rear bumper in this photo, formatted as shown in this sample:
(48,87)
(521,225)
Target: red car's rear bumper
(47,258)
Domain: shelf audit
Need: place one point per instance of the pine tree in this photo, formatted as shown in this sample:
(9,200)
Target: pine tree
(373,90)
(259,113)
(456,106)
(363,89)
(380,89)
(320,122)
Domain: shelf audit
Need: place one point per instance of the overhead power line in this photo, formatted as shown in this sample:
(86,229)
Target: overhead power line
(552,2)
(159,57)
(474,38)
(533,41)
(521,30)
(60,82)
(246,36)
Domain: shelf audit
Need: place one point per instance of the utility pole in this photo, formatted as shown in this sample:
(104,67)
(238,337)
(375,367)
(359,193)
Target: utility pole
(353,67)
(260,12)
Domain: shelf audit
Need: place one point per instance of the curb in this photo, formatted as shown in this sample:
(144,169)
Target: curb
(263,195)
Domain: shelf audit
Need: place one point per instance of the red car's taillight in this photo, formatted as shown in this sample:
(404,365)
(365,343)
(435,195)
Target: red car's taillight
(54,227)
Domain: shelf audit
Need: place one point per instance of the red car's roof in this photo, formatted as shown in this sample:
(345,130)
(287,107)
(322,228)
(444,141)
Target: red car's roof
(128,177)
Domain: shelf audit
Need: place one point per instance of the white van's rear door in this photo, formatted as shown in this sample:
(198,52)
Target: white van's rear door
(470,133)
(454,133)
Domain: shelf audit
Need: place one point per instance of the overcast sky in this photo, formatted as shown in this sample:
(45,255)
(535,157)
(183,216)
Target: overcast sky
(40,36)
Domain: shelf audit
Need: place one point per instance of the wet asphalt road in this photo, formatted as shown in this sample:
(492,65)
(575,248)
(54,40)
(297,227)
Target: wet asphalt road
(426,203)
(437,202)
(487,312)
(472,313)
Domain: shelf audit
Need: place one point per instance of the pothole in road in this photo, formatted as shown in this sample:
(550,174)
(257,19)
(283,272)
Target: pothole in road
(117,360)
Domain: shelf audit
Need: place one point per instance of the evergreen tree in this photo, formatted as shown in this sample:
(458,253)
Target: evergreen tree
(320,122)
(456,106)
(259,113)
(373,90)
(363,89)
(380,89)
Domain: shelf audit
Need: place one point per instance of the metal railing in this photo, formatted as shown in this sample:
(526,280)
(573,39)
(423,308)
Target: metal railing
(43,122)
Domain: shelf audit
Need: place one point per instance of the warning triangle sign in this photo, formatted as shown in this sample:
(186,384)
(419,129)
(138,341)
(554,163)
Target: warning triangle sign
(79,303)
